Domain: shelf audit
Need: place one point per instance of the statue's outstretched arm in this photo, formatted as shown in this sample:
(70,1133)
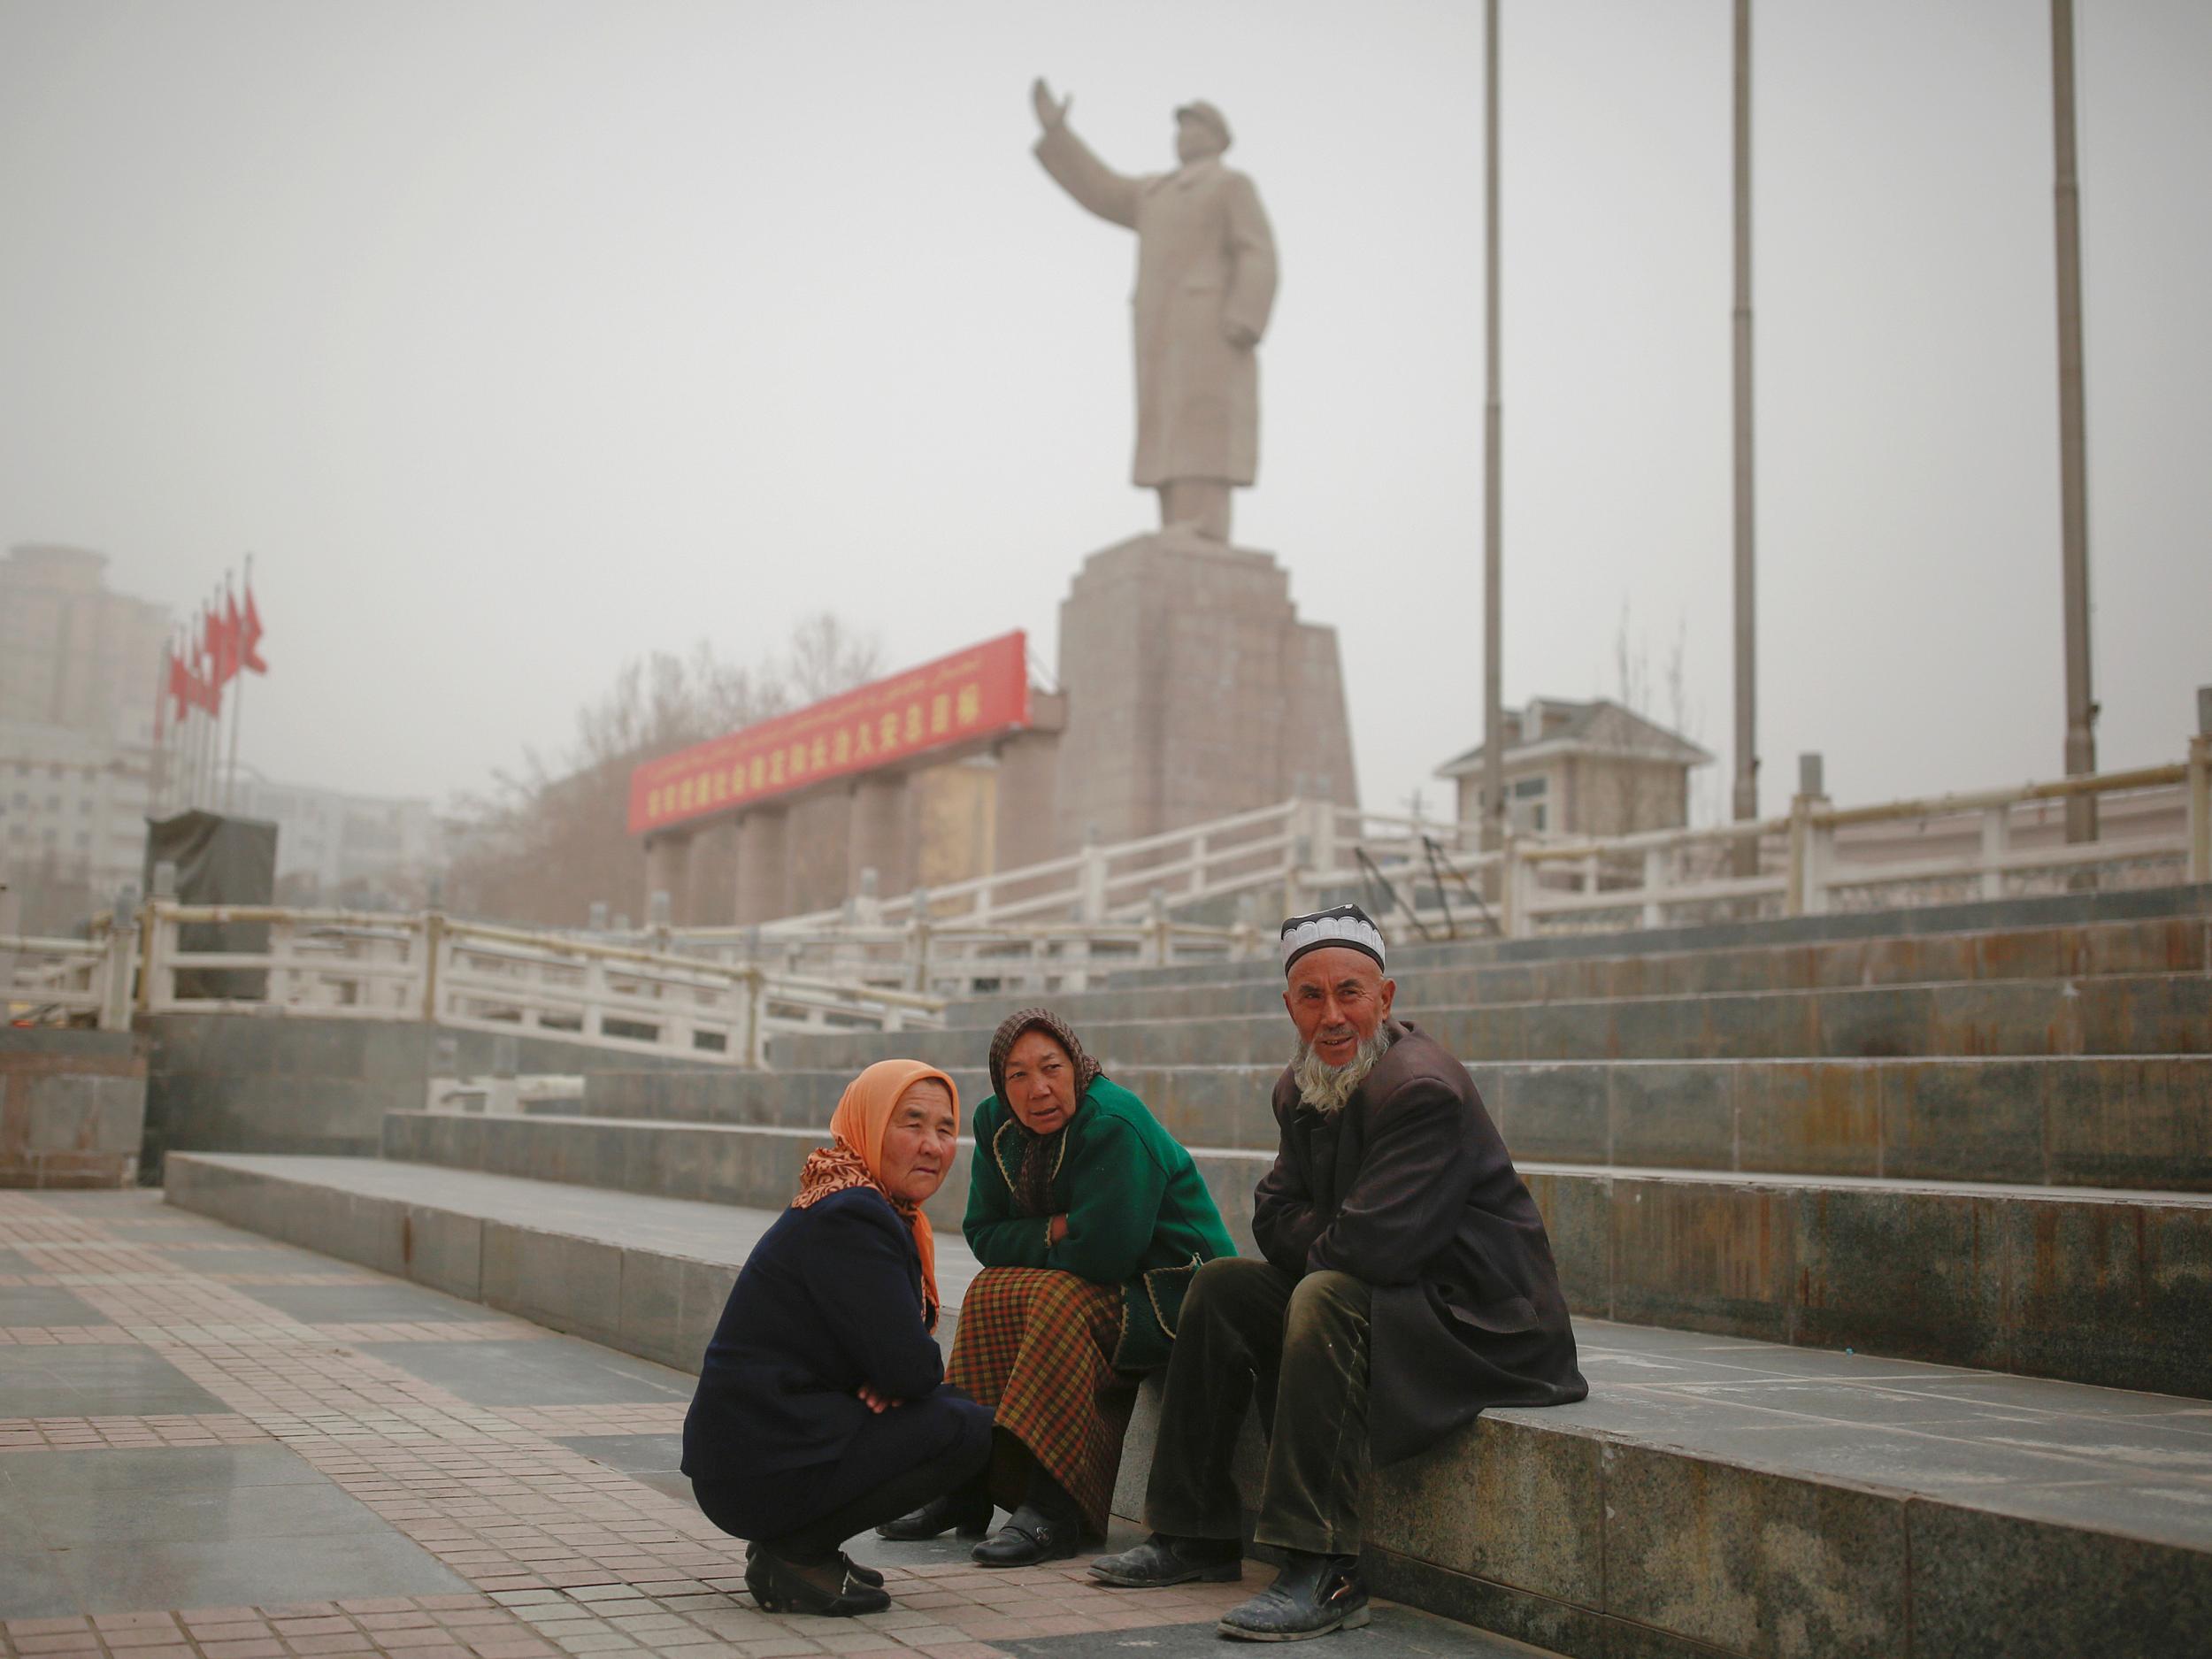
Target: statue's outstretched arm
(1110,194)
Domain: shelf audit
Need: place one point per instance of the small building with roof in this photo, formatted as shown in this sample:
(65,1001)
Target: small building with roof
(1593,768)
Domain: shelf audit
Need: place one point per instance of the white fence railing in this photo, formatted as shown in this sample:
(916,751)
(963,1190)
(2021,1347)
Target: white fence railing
(341,964)
(86,981)
(717,994)
(1058,926)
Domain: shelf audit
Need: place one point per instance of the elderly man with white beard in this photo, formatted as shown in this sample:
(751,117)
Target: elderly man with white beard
(1407,1284)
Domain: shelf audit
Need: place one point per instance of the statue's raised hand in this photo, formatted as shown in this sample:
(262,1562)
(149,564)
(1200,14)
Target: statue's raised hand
(1049,113)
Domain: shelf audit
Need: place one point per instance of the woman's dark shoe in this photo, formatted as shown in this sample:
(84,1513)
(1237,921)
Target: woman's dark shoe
(968,1515)
(859,1574)
(1311,1596)
(1030,1536)
(825,1589)
(1164,1559)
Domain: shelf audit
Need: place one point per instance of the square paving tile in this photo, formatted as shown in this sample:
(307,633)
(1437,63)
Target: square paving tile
(1395,1632)
(30,1587)
(652,1459)
(538,1371)
(16,1261)
(70,1382)
(389,1302)
(121,1577)
(58,1493)
(47,1304)
(75,1520)
(218,1255)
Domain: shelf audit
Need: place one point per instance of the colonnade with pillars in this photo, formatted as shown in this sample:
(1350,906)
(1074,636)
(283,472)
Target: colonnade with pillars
(807,851)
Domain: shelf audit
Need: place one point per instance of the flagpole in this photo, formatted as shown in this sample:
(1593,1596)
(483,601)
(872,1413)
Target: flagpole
(238,685)
(197,717)
(212,721)
(161,733)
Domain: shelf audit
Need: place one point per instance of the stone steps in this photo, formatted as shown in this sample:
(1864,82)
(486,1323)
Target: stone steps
(2092,1284)
(2094,950)
(2079,1121)
(2009,915)
(1713,1496)
(2137,1014)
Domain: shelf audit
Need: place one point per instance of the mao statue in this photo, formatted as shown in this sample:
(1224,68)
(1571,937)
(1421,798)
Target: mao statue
(1205,283)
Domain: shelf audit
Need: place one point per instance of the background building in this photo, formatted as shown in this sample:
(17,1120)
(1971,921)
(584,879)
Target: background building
(79,666)
(1590,768)
(358,851)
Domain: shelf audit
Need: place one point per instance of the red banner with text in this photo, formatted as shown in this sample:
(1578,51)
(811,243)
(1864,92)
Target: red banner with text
(972,694)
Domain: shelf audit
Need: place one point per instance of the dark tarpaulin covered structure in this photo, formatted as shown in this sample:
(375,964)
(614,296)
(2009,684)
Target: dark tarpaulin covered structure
(218,861)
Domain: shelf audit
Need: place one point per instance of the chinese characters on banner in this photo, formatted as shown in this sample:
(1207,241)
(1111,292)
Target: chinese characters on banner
(972,694)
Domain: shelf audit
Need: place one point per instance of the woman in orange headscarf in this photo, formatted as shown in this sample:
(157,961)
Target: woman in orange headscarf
(822,1407)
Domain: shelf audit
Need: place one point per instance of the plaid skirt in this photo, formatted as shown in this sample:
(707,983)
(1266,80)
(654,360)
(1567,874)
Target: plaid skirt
(1033,1344)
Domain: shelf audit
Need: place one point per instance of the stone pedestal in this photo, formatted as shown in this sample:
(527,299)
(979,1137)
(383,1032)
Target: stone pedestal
(1193,691)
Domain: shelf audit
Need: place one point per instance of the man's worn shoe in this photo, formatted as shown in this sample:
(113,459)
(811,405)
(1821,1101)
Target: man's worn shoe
(1165,1559)
(1030,1536)
(959,1511)
(1311,1596)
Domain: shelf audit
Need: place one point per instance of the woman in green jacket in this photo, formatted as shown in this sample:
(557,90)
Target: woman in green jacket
(1090,1220)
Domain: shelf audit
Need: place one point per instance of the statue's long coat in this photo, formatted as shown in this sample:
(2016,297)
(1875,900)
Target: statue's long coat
(1410,1188)
(1205,261)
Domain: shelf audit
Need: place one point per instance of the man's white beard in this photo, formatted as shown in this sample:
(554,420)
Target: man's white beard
(1327,1088)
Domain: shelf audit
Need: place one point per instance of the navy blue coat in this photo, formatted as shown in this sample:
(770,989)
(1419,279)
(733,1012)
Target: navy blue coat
(829,1299)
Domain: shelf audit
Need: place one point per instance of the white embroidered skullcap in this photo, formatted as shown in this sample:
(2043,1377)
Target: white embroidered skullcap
(1346,925)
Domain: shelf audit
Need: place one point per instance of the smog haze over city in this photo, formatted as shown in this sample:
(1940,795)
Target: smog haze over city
(517,340)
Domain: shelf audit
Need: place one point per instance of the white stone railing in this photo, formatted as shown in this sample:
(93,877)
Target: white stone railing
(1822,858)
(1057,925)
(52,981)
(350,964)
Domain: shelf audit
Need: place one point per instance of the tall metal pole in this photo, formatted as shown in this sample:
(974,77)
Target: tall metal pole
(237,688)
(2073,470)
(1746,791)
(1493,583)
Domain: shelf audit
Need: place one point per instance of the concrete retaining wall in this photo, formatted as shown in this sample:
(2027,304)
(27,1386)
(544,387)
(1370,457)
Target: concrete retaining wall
(2094,1287)
(72,1107)
(246,1083)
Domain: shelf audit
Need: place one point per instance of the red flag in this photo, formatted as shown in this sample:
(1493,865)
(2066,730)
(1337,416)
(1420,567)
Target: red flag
(249,634)
(210,688)
(234,636)
(211,652)
(182,690)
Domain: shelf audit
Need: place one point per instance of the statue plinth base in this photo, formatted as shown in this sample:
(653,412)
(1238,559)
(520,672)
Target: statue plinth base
(1194,692)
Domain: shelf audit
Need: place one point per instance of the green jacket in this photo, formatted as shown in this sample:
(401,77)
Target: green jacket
(1139,1214)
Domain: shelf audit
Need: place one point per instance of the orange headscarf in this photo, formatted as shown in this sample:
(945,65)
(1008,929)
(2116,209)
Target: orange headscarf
(854,1154)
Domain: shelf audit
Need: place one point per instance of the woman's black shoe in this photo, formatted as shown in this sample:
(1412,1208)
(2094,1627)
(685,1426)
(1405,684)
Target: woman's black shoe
(854,1569)
(970,1517)
(1030,1536)
(825,1589)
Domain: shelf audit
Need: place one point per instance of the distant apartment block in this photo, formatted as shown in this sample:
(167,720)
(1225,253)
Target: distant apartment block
(352,850)
(79,668)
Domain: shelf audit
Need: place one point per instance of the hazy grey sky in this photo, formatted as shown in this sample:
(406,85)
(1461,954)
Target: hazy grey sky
(517,339)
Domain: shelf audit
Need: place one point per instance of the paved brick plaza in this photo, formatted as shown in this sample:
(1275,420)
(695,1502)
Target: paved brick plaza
(215,1445)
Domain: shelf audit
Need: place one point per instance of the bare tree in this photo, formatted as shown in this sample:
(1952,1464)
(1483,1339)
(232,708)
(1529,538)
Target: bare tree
(827,657)
(553,835)
(1643,795)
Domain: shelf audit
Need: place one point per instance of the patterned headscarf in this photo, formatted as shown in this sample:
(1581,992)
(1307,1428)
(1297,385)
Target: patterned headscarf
(1033,1192)
(854,1154)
